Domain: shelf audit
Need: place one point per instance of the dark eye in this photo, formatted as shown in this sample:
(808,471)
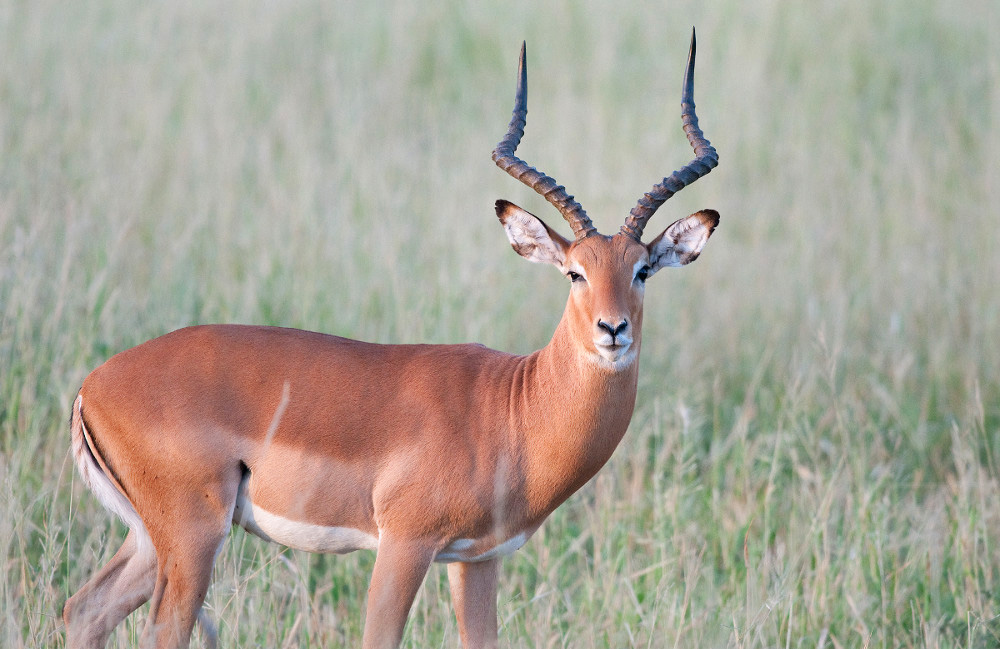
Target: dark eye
(643,274)
(574,277)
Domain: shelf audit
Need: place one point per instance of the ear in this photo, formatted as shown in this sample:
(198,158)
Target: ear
(682,241)
(530,237)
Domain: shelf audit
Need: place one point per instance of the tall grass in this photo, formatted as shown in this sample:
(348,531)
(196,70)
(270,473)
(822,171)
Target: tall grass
(814,460)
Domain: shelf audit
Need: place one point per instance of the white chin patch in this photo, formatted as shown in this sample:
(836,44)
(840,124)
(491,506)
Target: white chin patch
(616,358)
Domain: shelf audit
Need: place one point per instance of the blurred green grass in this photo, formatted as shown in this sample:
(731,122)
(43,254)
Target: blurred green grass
(813,460)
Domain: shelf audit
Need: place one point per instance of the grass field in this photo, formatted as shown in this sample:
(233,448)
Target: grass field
(814,460)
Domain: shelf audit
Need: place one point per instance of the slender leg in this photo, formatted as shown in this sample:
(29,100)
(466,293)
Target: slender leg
(188,534)
(183,574)
(120,587)
(474,595)
(209,632)
(400,567)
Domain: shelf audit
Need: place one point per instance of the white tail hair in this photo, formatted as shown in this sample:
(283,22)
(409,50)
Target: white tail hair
(101,481)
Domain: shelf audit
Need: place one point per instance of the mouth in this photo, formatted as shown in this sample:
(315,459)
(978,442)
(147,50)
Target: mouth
(613,352)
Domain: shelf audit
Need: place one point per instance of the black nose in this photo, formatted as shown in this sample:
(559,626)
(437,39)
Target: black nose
(612,329)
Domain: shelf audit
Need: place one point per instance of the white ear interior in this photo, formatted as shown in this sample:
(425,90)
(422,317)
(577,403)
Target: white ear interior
(683,240)
(530,237)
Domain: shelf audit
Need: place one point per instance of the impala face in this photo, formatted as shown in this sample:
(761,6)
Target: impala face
(608,275)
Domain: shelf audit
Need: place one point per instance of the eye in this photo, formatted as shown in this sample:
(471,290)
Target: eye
(574,277)
(643,274)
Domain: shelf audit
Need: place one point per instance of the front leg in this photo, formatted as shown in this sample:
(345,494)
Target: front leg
(474,595)
(400,567)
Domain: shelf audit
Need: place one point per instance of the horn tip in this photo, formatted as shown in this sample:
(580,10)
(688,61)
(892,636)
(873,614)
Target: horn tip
(687,87)
(522,72)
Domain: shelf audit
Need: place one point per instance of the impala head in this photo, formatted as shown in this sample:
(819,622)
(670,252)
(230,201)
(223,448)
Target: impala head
(608,273)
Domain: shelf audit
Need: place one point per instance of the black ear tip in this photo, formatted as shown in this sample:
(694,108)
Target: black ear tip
(710,217)
(503,208)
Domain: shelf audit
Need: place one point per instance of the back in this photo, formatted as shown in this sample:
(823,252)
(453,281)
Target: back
(338,389)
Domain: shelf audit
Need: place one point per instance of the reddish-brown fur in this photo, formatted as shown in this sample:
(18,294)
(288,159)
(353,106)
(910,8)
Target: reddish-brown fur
(423,451)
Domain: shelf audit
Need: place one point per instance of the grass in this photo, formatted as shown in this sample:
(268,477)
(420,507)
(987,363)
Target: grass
(814,460)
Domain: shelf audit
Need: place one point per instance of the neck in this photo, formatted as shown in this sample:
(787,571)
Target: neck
(572,410)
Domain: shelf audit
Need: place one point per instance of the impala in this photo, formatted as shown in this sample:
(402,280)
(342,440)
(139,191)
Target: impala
(423,453)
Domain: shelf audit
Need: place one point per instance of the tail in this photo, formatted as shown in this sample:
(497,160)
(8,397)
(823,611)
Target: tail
(101,480)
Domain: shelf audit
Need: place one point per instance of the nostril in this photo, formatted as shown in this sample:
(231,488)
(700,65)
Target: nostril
(614,330)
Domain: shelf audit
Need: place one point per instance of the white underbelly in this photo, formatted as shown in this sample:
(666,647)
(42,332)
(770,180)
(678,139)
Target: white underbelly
(297,534)
(460,550)
(341,540)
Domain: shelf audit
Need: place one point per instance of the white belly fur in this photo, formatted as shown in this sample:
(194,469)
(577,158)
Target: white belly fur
(341,540)
(458,550)
(295,534)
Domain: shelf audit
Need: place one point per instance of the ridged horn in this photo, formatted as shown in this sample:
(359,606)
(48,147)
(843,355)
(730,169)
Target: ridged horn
(705,160)
(545,185)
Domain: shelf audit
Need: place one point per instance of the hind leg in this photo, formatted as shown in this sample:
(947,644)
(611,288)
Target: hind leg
(120,587)
(188,535)
(182,579)
(209,632)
